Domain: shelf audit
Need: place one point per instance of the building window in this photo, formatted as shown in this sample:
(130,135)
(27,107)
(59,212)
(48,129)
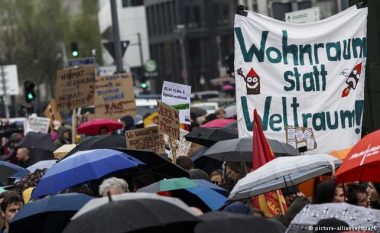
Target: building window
(129,3)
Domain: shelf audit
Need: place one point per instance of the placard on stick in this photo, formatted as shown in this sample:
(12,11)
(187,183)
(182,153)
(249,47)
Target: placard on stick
(149,138)
(75,87)
(168,120)
(52,112)
(114,96)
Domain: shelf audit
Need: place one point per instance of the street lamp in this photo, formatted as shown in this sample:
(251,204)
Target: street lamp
(181,30)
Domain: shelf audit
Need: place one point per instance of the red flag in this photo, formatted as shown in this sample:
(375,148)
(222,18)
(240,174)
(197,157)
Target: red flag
(272,203)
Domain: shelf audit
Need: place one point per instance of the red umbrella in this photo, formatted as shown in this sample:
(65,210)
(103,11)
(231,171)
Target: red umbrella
(93,127)
(362,163)
(218,123)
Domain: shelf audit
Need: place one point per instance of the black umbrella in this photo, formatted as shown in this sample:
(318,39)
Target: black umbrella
(133,215)
(210,136)
(100,142)
(156,166)
(37,140)
(225,222)
(48,215)
(36,154)
(241,149)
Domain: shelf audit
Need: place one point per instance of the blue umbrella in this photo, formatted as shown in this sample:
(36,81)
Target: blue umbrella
(8,170)
(195,192)
(50,214)
(82,167)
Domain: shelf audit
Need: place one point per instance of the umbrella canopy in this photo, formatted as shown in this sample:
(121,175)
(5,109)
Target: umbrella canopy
(341,154)
(156,164)
(210,136)
(82,167)
(241,149)
(198,111)
(354,216)
(48,215)
(100,142)
(8,170)
(37,140)
(278,173)
(195,192)
(93,127)
(42,165)
(363,161)
(218,123)
(225,222)
(130,212)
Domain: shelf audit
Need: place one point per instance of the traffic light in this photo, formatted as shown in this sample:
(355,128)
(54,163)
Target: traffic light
(144,85)
(74,49)
(29,92)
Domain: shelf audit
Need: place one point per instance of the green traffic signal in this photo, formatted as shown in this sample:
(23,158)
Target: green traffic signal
(144,85)
(30,96)
(75,53)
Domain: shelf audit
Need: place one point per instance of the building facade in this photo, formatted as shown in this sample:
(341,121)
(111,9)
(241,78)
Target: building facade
(189,39)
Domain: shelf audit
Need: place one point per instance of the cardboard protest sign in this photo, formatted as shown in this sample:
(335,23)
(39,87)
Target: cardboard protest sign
(168,120)
(183,146)
(52,112)
(301,138)
(114,96)
(75,87)
(149,138)
(178,97)
(302,76)
(37,124)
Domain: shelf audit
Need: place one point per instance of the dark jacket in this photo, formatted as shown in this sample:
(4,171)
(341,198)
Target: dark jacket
(60,138)
(294,208)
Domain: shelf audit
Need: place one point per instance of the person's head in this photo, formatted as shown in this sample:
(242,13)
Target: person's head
(10,205)
(198,174)
(216,177)
(103,131)
(290,194)
(114,186)
(357,195)
(325,192)
(235,170)
(220,113)
(373,192)
(185,162)
(339,195)
(22,154)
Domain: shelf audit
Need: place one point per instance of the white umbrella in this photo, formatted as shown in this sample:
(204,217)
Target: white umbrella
(357,217)
(97,202)
(41,165)
(282,172)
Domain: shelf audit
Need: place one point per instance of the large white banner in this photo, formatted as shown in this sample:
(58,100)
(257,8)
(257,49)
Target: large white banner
(305,80)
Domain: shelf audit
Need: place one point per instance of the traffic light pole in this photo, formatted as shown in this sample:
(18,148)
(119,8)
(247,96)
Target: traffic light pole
(5,97)
(116,38)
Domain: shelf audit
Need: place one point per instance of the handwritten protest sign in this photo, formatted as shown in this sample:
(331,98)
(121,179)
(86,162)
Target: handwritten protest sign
(114,96)
(148,138)
(37,124)
(178,97)
(52,112)
(75,87)
(184,146)
(168,120)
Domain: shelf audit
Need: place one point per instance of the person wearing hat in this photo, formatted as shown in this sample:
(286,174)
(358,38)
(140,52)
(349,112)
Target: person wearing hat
(290,194)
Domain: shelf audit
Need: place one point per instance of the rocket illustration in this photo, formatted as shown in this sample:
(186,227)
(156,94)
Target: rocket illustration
(352,80)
